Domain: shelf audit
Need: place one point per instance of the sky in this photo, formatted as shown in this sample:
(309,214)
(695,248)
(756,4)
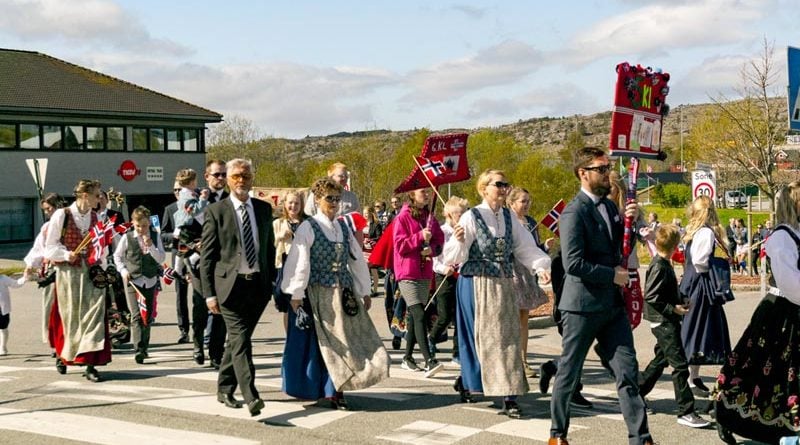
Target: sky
(320,67)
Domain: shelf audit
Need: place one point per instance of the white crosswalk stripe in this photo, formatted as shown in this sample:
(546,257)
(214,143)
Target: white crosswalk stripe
(93,429)
(430,433)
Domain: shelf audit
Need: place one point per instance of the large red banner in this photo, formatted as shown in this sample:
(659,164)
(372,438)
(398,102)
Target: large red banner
(443,159)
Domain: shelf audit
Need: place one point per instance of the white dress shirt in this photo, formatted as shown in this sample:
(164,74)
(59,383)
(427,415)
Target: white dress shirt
(782,252)
(297,268)
(439,266)
(156,251)
(7,283)
(523,246)
(243,266)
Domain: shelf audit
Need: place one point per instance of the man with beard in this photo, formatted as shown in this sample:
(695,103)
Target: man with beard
(592,305)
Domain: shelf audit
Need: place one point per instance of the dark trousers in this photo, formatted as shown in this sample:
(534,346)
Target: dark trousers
(416,331)
(389,286)
(669,350)
(140,329)
(613,331)
(182,304)
(216,345)
(241,311)
(446,308)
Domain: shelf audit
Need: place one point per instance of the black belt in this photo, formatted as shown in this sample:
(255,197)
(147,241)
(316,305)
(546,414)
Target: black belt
(248,276)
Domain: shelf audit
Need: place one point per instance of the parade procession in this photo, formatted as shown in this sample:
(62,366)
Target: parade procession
(469,281)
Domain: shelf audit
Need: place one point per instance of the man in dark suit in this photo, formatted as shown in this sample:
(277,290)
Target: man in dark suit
(591,304)
(181,284)
(237,266)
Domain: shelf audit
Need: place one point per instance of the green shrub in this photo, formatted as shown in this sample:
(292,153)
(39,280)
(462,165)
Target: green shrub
(672,195)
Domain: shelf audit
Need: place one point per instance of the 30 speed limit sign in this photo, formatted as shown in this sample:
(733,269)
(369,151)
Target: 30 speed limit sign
(704,183)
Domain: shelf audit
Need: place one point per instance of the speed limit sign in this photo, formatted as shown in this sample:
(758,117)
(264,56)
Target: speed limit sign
(704,183)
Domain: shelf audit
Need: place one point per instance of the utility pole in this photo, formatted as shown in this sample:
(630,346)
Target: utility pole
(680,120)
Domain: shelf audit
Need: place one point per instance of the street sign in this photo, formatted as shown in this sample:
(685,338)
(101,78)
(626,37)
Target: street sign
(38,169)
(704,183)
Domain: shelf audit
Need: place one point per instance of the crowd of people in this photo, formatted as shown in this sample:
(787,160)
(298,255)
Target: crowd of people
(480,272)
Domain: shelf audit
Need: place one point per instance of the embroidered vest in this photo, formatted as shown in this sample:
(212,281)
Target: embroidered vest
(329,258)
(71,236)
(137,263)
(489,256)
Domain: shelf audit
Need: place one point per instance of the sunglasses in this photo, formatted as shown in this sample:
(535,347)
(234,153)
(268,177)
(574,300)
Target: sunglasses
(333,199)
(176,190)
(219,175)
(241,176)
(602,169)
(501,184)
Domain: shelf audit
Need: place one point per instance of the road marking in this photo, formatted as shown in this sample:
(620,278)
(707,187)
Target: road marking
(99,430)
(537,429)
(274,412)
(430,433)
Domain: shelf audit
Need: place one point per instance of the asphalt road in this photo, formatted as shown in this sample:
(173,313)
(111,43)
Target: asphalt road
(171,400)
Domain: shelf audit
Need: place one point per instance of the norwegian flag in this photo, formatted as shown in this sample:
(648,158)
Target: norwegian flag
(98,243)
(355,221)
(123,228)
(551,219)
(141,302)
(169,275)
(430,167)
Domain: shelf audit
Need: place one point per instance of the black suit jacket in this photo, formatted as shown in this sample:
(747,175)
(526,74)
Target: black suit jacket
(168,226)
(222,248)
(589,256)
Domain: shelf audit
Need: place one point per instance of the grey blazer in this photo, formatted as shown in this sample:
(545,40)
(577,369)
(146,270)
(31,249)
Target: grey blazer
(222,248)
(589,256)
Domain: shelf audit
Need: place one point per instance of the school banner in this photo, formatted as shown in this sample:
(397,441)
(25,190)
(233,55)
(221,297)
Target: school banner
(443,160)
(639,106)
(793,65)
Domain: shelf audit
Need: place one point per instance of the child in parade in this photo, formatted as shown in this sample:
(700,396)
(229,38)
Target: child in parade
(7,283)
(188,218)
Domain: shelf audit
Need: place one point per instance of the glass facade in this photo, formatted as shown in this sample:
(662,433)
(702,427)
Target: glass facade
(80,137)
(16,215)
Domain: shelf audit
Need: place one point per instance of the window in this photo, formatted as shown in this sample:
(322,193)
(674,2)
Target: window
(29,136)
(189,140)
(174,140)
(116,138)
(73,137)
(8,135)
(16,219)
(95,139)
(140,139)
(51,135)
(156,139)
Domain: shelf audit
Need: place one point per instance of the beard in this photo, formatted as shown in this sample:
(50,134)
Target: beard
(601,190)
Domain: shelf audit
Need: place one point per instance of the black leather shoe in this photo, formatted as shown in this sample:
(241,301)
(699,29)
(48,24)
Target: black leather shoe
(466,396)
(511,409)
(546,372)
(254,406)
(184,338)
(198,357)
(215,363)
(228,400)
(396,343)
(578,401)
(139,357)
(92,375)
(60,366)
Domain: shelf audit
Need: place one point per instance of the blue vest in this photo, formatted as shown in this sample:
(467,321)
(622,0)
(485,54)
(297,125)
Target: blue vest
(489,256)
(329,258)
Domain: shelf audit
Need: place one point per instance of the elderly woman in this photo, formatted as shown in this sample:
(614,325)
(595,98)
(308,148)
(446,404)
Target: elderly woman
(284,227)
(78,320)
(486,242)
(325,273)
(757,394)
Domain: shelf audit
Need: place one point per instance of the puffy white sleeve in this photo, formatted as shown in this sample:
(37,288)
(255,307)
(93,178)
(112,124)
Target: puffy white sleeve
(297,267)
(455,251)
(782,252)
(525,249)
(53,249)
(702,246)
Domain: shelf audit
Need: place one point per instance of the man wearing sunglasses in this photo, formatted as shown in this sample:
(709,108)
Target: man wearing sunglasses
(591,304)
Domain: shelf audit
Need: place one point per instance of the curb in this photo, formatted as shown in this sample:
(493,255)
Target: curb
(541,322)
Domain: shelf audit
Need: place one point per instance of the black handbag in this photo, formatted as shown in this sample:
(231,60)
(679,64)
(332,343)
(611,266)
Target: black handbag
(349,303)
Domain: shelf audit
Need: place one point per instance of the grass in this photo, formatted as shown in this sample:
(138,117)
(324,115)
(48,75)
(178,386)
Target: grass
(9,271)
(666,214)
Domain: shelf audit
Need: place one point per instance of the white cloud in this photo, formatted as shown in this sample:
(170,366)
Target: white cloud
(559,99)
(472,12)
(500,64)
(88,22)
(664,26)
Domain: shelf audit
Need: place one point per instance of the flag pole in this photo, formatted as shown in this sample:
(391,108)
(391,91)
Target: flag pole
(429,181)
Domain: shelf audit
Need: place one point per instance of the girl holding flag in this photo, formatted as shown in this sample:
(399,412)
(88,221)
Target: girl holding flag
(78,318)
(138,255)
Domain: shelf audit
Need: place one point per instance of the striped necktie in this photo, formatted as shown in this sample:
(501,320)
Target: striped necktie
(247,232)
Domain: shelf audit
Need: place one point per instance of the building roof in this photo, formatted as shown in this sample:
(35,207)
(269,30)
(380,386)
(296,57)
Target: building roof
(37,82)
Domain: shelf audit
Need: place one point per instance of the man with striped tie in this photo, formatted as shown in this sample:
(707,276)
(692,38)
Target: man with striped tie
(237,266)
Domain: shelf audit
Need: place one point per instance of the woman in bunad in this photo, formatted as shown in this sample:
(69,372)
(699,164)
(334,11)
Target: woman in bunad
(36,265)
(284,228)
(78,319)
(526,285)
(325,273)
(704,331)
(757,388)
(486,242)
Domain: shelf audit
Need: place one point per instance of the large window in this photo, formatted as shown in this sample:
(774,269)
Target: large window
(140,139)
(29,136)
(73,137)
(95,139)
(156,139)
(174,140)
(51,135)
(116,138)
(8,135)
(189,140)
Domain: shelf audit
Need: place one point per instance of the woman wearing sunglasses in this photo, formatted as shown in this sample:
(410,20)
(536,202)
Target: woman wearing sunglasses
(486,242)
(327,277)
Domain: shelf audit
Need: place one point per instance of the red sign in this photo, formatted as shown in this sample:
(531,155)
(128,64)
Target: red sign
(128,171)
(443,160)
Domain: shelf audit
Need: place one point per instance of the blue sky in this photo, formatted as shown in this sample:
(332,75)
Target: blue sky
(319,67)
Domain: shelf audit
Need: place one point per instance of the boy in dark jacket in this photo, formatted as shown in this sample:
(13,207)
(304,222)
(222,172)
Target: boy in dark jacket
(664,310)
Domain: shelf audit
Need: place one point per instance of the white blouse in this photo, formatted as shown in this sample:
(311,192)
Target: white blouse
(7,283)
(297,268)
(523,246)
(702,242)
(782,252)
(54,250)
(35,256)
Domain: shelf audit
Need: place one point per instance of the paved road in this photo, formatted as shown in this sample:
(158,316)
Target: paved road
(171,400)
